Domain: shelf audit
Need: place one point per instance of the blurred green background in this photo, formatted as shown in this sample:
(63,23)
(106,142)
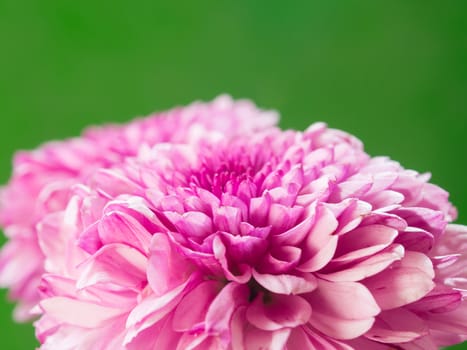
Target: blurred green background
(394,73)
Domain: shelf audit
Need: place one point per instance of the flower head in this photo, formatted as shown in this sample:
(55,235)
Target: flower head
(42,178)
(275,240)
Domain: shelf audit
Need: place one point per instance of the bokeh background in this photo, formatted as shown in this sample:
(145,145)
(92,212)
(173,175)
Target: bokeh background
(394,73)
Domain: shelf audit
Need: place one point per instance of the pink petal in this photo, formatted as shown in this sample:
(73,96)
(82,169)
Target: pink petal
(368,267)
(159,336)
(403,284)
(220,312)
(397,326)
(342,310)
(281,259)
(296,234)
(286,284)
(166,269)
(416,239)
(77,312)
(192,308)
(151,310)
(363,241)
(120,227)
(321,258)
(454,322)
(318,246)
(257,339)
(259,210)
(440,299)
(280,312)
(236,271)
(351,188)
(193,224)
(117,264)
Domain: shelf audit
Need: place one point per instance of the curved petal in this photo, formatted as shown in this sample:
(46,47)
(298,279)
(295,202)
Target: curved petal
(115,263)
(342,310)
(192,308)
(166,268)
(286,284)
(397,326)
(278,312)
(368,267)
(410,281)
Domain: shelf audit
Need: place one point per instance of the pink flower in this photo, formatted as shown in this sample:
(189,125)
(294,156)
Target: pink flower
(277,240)
(42,178)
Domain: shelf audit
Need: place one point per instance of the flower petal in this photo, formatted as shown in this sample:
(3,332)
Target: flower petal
(278,312)
(286,284)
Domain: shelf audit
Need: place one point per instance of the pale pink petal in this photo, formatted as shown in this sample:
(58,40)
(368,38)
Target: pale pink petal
(166,268)
(192,308)
(342,310)
(286,284)
(78,313)
(368,267)
(114,263)
(402,284)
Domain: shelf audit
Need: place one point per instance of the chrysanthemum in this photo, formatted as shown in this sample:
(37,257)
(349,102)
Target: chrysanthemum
(42,178)
(278,240)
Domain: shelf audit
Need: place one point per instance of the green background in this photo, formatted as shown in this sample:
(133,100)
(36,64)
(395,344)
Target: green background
(394,73)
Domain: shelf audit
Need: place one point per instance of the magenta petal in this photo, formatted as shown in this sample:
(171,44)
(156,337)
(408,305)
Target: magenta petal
(282,311)
(259,210)
(240,272)
(286,284)
(282,259)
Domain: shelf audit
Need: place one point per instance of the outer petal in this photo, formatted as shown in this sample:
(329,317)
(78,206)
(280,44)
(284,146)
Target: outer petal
(397,326)
(115,263)
(403,284)
(78,313)
(342,310)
